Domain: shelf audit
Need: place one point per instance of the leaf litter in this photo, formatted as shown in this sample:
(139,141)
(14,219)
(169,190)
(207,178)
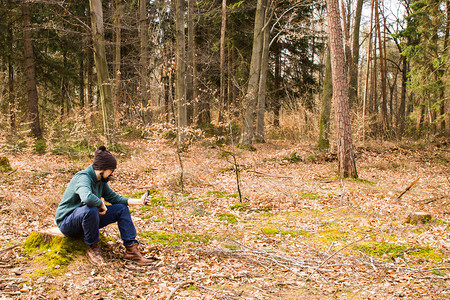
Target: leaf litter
(301,234)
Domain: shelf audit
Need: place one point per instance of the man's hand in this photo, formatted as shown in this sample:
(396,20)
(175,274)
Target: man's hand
(144,198)
(102,210)
(143,201)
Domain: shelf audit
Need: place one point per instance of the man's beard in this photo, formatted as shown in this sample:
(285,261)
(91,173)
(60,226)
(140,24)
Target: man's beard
(105,180)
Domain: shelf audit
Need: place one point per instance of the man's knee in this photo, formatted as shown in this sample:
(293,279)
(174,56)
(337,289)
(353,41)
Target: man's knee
(90,212)
(121,208)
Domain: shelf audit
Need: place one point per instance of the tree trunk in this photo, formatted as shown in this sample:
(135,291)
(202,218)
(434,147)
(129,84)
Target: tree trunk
(354,66)
(30,72)
(260,135)
(347,166)
(251,98)
(11,96)
(327,96)
(385,121)
(89,99)
(82,83)
(366,83)
(222,60)
(143,60)
(190,61)
(117,60)
(346,34)
(103,81)
(277,81)
(180,94)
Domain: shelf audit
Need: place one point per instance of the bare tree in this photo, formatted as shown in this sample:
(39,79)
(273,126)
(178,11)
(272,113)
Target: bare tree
(353,80)
(103,80)
(117,59)
(30,72)
(250,99)
(180,92)
(347,166)
(260,135)
(222,60)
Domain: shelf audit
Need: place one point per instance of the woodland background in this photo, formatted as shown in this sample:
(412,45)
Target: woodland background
(225,112)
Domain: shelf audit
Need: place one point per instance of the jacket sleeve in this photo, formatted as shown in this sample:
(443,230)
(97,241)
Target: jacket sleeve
(113,198)
(84,190)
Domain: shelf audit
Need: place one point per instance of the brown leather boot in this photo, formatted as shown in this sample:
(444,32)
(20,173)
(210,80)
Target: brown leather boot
(133,254)
(93,254)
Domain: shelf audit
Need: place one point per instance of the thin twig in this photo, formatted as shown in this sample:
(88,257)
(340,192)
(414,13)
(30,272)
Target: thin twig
(236,169)
(332,255)
(182,171)
(173,212)
(408,188)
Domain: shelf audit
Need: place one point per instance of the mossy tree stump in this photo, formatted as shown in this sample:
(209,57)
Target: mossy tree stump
(5,166)
(52,250)
(418,218)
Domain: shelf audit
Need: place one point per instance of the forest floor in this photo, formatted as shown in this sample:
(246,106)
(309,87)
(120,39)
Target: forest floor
(300,232)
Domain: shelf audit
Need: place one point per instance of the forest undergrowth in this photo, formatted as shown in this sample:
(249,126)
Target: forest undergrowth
(299,233)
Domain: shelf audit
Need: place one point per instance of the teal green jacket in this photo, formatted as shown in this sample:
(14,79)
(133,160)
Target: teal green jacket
(86,189)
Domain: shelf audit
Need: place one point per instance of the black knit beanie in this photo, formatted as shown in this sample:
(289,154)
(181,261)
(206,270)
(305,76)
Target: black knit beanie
(104,160)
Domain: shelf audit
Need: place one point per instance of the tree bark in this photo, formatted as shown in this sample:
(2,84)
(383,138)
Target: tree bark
(385,120)
(277,81)
(117,60)
(30,72)
(366,84)
(180,93)
(260,135)
(327,96)
(251,97)
(347,166)
(103,80)
(222,60)
(190,63)
(11,96)
(354,66)
(143,60)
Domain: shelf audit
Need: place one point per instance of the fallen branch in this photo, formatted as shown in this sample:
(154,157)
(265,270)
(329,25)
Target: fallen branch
(192,282)
(179,286)
(10,247)
(430,200)
(270,175)
(332,255)
(408,188)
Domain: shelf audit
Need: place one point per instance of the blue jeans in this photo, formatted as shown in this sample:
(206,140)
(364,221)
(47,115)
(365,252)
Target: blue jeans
(86,220)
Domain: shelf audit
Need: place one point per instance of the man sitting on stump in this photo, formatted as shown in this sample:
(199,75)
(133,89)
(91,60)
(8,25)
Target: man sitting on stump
(82,211)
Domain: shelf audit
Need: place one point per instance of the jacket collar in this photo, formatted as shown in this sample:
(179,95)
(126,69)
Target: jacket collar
(91,172)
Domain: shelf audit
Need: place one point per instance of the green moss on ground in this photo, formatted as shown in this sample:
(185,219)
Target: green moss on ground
(380,249)
(171,238)
(230,218)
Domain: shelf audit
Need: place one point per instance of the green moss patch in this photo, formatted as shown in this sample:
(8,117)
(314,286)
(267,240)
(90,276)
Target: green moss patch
(380,249)
(55,255)
(218,194)
(242,206)
(311,196)
(230,218)
(171,238)
(292,233)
